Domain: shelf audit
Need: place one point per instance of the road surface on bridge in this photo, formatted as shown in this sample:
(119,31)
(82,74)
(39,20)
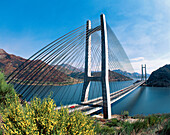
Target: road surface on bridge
(94,105)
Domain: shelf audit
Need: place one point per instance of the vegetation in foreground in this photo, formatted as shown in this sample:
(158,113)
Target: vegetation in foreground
(41,117)
(143,125)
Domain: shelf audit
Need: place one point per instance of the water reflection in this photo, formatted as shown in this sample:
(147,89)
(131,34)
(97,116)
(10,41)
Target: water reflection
(144,100)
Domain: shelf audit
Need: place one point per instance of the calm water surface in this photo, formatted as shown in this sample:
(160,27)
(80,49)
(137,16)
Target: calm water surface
(143,100)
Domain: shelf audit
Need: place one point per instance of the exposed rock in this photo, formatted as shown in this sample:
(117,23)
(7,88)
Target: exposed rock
(9,63)
(160,77)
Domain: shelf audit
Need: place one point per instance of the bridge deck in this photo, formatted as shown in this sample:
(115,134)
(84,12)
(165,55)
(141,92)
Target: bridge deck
(95,105)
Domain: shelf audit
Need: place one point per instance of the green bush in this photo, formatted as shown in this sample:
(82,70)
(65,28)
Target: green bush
(127,128)
(153,119)
(1,133)
(138,125)
(97,127)
(125,114)
(166,129)
(114,122)
(6,90)
(105,130)
(41,117)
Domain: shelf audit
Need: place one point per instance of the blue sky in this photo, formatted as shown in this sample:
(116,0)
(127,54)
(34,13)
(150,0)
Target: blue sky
(142,26)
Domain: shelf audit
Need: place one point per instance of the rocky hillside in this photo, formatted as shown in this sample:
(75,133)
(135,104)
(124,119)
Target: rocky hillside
(63,73)
(160,77)
(9,62)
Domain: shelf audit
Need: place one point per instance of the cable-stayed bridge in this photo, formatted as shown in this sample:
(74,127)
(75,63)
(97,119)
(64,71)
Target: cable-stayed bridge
(87,68)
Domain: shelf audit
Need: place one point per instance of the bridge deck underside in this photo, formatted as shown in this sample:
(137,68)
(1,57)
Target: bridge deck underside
(96,104)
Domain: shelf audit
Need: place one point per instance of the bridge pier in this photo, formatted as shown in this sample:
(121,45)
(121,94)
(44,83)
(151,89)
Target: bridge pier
(142,74)
(145,74)
(87,72)
(104,66)
(105,72)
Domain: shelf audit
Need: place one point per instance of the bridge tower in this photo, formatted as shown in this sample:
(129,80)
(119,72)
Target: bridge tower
(142,74)
(145,73)
(104,78)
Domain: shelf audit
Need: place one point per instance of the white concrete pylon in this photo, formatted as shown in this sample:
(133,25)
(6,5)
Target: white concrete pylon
(105,70)
(142,72)
(87,73)
(104,78)
(145,74)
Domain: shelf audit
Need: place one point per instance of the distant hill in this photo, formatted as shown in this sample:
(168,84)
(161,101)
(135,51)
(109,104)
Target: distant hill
(160,77)
(63,73)
(9,62)
(71,68)
(113,76)
(131,75)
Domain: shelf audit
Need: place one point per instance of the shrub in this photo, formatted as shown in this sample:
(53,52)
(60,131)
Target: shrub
(1,133)
(114,122)
(166,129)
(40,117)
(6,90)
(153,119)
(138,125)
(98,127)
(127,128)
(125,114)
(105,130)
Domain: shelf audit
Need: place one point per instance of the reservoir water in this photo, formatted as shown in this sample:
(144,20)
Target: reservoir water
(143,100)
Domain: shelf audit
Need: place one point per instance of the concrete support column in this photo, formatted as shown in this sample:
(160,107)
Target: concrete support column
(105,73)
(142,72)
(87,71)
(145,74)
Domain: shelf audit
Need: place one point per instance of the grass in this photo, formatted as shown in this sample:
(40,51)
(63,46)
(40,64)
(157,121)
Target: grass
(166,129)
(1,130)
(151,124)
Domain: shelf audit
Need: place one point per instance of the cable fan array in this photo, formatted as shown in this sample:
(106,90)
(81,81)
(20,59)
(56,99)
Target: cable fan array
(58,68)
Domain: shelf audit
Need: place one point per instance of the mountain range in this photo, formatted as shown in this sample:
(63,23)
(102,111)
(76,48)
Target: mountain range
(60,73)
(10,62)
(113,76)
(131,75)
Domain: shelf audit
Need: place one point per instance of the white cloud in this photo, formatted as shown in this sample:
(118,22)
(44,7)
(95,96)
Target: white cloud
(137,59)
(152,65)
(146,34)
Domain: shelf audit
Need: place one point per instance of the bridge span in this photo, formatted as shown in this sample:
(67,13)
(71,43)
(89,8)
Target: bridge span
(72,66)
(94,105)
